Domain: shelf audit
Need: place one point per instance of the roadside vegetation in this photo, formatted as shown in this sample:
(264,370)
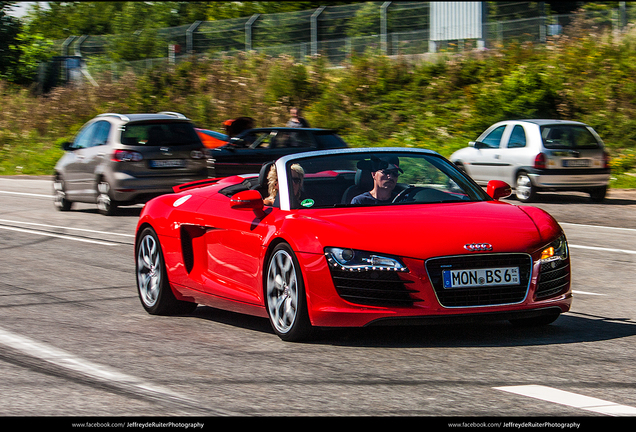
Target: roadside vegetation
(439,103)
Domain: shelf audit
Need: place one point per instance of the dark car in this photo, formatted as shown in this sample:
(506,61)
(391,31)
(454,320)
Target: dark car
(122,159)
(247,152)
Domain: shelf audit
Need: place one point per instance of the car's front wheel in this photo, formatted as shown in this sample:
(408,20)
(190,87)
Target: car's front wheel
(152,279)
(285,295)
(525,190)
(59,195)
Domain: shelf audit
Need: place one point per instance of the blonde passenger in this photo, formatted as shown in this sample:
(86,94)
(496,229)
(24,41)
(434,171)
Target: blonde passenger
(298,176)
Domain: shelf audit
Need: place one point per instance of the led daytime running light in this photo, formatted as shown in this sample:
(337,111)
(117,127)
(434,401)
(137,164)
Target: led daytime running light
(359,261)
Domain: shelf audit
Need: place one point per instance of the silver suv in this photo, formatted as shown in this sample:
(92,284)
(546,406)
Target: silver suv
(118,159)
(538,155)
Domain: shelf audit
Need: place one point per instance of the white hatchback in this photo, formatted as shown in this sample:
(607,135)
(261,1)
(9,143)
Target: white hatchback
(538,155)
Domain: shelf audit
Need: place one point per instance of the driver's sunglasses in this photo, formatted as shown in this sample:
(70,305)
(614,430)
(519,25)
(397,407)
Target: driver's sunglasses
(392,173)
(296,180)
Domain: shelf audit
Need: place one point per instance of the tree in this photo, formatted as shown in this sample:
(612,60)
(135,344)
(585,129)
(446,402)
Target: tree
(9,29)
(31,49)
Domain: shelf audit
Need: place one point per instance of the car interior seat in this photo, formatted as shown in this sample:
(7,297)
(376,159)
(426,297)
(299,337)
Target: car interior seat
(262,185)
(363,183)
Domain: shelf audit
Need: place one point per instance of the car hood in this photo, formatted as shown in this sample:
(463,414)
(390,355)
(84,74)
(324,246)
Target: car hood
(422,231)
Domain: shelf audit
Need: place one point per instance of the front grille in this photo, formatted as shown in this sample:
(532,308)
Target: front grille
(480,296)
(554,279)
(372,288)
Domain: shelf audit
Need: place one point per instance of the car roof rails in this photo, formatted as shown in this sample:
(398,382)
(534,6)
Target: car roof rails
(172,113)
(121,116)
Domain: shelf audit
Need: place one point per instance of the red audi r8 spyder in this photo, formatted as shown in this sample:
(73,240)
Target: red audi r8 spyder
(353,237)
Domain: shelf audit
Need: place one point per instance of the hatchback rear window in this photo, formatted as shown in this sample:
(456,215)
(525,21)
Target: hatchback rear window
(159,134)
(568,137)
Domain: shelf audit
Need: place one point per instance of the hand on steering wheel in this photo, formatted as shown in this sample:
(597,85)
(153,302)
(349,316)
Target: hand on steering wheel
(406,193)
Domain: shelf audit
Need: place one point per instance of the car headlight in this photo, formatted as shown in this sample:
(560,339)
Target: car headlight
(356,260)
(557,250)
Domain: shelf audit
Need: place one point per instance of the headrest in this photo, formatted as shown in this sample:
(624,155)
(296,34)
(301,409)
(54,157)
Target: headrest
(262,174)
(363,180)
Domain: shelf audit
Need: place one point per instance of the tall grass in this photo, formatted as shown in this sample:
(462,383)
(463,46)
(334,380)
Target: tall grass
(439,104)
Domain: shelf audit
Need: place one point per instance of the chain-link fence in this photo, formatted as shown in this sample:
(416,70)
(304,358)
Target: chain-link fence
(334,32)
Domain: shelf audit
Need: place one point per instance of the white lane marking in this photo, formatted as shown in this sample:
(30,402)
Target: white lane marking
(596,226)
(61,236)
(30,179)
(63,227)
(587,293)
(627,251)
(98,372)
(570,399)
(28,194)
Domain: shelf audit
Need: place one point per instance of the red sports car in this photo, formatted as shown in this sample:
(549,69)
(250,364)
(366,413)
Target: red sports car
(353,237)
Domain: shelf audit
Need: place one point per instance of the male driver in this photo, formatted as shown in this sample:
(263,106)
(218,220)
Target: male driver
(385,173)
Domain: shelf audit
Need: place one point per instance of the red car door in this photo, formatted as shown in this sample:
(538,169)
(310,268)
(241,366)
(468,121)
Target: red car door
(233,247)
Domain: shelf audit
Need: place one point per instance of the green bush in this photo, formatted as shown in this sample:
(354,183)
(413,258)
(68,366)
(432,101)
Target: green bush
(439,104)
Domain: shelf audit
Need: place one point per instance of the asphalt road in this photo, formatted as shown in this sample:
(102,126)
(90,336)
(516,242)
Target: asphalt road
(75,341)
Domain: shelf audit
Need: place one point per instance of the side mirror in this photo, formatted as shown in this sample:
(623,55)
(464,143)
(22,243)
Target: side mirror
(236,143)
(498,189)
(471,143)
(66,146)
(247,200)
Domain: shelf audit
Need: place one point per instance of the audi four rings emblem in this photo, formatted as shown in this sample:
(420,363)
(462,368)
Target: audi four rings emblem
(476,247)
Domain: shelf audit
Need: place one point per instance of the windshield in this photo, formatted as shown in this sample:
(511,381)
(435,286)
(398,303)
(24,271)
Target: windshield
(368,179)
(159,134)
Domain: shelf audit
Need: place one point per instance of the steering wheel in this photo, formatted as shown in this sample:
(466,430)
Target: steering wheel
(407,194)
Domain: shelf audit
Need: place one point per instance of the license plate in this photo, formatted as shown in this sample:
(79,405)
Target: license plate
(168,163)
(576,163)
(481,277)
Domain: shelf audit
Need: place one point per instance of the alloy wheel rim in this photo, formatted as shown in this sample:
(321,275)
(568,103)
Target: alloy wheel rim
(523,187)
(282,291)
(148,270)
(103,199)
(60,195)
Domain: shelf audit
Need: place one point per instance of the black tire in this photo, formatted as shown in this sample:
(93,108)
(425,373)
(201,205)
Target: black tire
(106,204)
(538,321)
(153,286)
(59,195)
(598,194)
(285,297)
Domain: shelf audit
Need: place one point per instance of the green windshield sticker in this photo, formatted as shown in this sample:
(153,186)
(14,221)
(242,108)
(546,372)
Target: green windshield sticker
(307,203)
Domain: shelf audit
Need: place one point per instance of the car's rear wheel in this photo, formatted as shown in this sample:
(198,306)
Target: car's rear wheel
(59,195)
(105,202)
(152,280)
(597,194)
(285,295)
(525,190)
